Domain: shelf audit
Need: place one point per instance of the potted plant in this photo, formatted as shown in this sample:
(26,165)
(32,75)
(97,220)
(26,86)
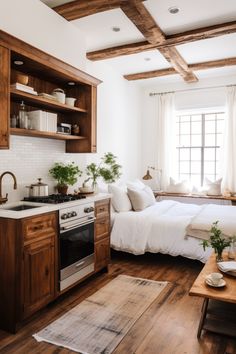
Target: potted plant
(108,169)
(65,175)
(217,241)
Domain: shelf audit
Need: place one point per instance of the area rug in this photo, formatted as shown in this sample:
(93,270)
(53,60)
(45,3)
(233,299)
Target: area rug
(99,323)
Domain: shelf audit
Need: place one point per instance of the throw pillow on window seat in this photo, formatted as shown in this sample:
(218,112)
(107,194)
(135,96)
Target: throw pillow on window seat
(141,198)
(180,187)
(213,188)
(120,200)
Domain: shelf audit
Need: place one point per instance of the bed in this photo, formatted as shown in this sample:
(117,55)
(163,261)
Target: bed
(170,227)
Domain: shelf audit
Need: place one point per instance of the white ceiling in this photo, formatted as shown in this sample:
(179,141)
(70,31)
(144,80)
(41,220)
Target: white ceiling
(193,14)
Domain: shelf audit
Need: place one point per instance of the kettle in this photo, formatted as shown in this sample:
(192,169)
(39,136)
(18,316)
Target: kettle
(38,189)
(60,95)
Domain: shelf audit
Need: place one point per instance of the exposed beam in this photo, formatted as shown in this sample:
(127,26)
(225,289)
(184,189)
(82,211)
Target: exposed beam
(80,8)
(170,71)
(175,39)
(179,64)
(141,18)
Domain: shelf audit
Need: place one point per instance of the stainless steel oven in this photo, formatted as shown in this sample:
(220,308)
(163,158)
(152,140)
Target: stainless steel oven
(76,243)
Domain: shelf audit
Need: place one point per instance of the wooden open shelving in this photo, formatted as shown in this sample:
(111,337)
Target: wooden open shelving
(42,134)
(43,102)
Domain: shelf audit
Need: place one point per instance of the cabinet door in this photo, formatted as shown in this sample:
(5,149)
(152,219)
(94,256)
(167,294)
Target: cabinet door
(4,97)
(102,253)
(38,275)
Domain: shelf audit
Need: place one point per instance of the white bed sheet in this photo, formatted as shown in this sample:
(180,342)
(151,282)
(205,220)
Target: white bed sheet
(158,228)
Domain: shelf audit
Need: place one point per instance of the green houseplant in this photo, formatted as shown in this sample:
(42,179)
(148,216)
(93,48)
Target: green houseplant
(217,241)
(65,175)
(108,169)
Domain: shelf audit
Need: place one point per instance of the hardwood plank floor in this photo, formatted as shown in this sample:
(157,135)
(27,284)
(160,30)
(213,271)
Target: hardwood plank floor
(169,326)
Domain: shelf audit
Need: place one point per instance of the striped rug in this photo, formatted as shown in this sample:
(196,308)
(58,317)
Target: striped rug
(99,323)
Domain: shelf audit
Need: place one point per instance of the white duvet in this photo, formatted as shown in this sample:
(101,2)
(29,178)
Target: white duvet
(158,228)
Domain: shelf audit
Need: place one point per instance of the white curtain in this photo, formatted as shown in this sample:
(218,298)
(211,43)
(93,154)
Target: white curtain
(229,154)
(166,147)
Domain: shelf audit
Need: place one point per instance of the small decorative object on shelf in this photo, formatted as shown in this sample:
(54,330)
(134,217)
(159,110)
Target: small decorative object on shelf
(65,175)
(231,251)
(217,241)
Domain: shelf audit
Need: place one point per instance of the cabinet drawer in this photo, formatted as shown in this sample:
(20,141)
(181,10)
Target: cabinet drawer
(38,226)
(102,254)
(102,226)
(102,208)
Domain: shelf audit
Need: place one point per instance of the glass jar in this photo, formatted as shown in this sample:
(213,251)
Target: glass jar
(231,250)
(23,118)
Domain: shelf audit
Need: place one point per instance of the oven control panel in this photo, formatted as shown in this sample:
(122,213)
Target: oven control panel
(76,212)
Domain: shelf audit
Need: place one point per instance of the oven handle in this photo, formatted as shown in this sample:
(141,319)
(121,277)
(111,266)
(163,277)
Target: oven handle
(74,226)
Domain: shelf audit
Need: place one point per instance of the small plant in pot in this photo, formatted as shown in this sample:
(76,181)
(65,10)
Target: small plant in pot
(108,169)
(65,175)
(217,241)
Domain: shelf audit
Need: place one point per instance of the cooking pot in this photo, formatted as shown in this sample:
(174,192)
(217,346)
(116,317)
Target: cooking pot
(38,189)
(60,95)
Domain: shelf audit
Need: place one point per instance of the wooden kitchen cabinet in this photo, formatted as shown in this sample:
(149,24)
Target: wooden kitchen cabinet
(29,265)
(45,74)
(4,97)
(102,234)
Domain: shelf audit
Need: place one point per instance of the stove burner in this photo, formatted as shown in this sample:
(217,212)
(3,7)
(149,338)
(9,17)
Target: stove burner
(55,198)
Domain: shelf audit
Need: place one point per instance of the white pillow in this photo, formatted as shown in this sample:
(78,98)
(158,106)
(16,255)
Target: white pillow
(120,199)
(136,184)
(178,187)
(213,188)
(141,198)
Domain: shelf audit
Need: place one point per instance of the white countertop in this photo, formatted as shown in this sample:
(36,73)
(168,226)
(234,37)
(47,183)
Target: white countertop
(43,208)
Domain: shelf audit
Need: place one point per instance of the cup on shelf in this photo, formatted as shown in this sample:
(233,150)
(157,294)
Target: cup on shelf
(70,101)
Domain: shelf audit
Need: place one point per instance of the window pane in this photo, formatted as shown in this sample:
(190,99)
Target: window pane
(184,177)
(184,167)
(209,154)
(196,118)
(210,177)
(185,140)
(219,139)
(196,140)
(196,127)
(210,126)
(195,166)
(196,180)
(210,140)
(184,154)
(209,116)
(185,118)
(177,128)
(220,126)
(209,167)
(196,154)
(185,128)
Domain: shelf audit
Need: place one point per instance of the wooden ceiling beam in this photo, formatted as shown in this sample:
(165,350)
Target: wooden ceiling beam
(175,39)
(179,64)
(171,71)
(141,18)
(81,8)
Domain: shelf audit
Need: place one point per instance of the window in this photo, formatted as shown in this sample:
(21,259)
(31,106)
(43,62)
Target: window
(199,138)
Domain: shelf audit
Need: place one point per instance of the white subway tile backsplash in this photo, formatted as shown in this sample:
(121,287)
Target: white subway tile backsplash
(31,158)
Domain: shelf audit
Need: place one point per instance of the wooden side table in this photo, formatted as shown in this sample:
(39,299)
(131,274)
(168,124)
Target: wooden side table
(219,306)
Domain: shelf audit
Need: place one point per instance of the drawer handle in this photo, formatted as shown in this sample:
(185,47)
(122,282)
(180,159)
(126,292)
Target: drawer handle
(102,222)
(101,209)
(39,227)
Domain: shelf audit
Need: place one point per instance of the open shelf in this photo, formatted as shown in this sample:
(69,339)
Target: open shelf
(39,101)
(42,134)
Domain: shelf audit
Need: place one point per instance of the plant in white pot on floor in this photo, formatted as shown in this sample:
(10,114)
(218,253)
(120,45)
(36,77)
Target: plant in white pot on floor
(66,174)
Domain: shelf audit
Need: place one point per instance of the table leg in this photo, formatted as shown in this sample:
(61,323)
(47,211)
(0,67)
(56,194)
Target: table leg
(203,316)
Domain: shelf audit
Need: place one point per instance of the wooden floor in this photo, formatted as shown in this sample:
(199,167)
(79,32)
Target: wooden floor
(169,326)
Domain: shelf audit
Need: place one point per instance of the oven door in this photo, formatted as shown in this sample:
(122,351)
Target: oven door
(76,249)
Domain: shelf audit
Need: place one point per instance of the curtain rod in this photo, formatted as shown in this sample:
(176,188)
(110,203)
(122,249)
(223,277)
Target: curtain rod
(192,89)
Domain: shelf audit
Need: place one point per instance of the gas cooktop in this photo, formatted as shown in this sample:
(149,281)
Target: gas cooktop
(55,198)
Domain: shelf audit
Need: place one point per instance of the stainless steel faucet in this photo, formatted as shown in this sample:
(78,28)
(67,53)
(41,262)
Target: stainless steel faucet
(5,199)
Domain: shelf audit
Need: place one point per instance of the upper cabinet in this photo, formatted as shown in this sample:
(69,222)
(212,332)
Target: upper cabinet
(4,97)
(43,74)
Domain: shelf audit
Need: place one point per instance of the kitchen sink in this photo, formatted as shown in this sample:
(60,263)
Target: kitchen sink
(20,206)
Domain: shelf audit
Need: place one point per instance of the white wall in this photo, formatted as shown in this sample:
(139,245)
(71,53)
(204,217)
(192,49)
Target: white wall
(118,101)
